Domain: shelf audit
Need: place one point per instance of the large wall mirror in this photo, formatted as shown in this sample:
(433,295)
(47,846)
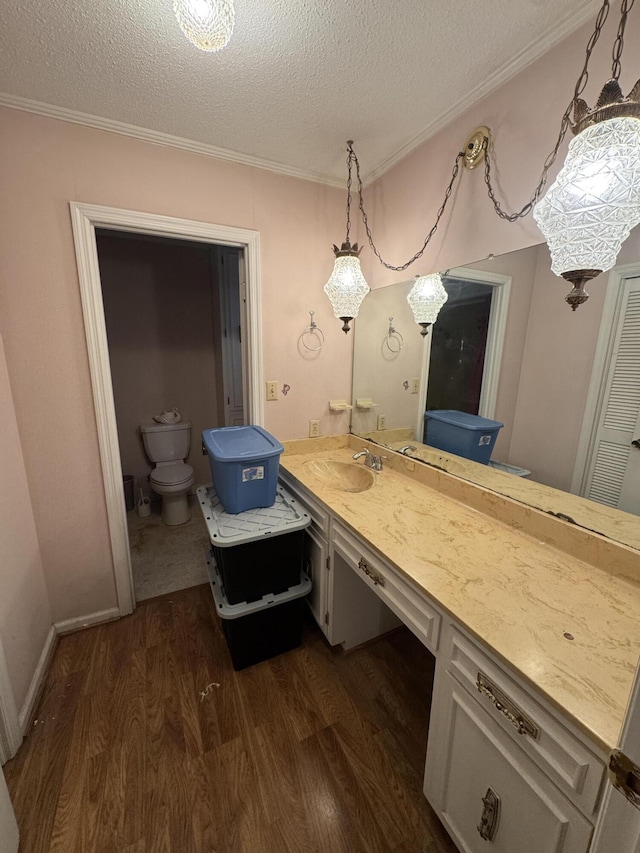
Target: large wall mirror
(513,351)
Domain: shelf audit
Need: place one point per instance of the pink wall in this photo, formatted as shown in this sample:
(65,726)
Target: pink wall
(524,117)
(45,164)
(25,616)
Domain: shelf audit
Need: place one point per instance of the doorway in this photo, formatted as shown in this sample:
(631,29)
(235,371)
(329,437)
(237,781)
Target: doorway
(607,468)
(173,320)
(86,219)
(464,348)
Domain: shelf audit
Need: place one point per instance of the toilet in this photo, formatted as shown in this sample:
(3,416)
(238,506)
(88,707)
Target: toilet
(168,446)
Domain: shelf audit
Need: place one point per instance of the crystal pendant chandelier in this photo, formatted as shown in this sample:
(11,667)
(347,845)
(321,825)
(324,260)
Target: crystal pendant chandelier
(347,287)
(207,23)
(426,298)
(594,203)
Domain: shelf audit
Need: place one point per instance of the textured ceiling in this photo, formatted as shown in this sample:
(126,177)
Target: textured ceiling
(298,78)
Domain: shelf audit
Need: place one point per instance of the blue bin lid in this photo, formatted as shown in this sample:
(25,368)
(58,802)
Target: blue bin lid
(239,443)
(462,419)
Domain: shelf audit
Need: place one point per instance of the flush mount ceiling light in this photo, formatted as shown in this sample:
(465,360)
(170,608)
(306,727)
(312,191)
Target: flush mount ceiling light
(207,23)
(426,298)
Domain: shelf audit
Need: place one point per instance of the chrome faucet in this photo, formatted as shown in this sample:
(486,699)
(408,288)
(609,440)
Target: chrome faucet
(407,448)
(370,460)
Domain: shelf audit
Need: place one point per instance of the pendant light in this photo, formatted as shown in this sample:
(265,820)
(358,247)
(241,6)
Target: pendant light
(206,23)
(594,202)
(426,298)
(347,287)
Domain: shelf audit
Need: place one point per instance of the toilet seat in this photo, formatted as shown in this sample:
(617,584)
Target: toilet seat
(173,474)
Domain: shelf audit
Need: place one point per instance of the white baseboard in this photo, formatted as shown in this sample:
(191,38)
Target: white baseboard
(38,677)
(44,662)
(69,625)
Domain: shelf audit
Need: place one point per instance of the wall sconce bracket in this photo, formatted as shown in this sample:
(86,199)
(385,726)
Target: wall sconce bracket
(476,146)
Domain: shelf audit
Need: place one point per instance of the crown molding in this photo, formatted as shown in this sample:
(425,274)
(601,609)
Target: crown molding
(157,138)
(529,55)
(569,24)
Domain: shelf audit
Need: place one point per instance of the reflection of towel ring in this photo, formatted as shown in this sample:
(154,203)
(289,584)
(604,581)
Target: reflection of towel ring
(394,340)
(314,330)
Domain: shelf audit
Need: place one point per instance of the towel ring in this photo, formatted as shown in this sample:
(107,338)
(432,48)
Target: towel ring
(316,332)
(394,340)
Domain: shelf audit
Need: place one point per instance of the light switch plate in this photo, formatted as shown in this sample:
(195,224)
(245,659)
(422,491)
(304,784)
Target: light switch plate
(414,385)
(272,390)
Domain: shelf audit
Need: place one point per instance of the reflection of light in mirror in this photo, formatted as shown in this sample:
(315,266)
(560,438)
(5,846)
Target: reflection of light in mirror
(542,389)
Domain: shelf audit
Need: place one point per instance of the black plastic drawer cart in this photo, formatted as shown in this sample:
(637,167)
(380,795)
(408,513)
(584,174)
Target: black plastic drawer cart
(255,567)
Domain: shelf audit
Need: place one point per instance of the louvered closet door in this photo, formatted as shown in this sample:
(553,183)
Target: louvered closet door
(615,469)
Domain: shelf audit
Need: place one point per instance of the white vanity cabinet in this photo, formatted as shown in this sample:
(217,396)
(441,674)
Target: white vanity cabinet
(501,767)
(505,772)
(316,552)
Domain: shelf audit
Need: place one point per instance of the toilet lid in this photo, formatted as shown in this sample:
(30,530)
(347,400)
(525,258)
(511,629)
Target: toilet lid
(172,475)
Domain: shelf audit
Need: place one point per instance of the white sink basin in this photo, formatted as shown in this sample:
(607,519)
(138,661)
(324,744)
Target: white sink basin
(343,476)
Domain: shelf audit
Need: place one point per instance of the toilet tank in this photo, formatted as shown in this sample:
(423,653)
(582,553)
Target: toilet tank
(166,442)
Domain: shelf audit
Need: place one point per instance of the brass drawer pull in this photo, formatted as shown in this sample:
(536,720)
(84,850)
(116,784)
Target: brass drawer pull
(377,579)
(509,709)
(488,825)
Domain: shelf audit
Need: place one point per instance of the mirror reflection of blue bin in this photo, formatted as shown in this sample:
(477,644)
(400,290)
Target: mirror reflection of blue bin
(244,463)
(461,433)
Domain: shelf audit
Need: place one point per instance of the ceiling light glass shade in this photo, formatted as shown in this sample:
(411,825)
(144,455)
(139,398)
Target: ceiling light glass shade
(426,298)
(346,288)
(589,210)
(207,23)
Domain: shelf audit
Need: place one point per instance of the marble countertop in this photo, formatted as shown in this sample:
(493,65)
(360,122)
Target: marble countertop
(516,588)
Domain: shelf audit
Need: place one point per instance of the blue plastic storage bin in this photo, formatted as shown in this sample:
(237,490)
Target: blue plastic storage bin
(461,433)
(244,464)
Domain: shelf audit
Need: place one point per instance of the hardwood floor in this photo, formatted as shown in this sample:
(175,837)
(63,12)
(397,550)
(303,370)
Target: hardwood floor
(315,751)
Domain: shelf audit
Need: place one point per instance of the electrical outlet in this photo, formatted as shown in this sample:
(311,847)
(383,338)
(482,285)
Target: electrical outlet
(382,421)
(314,429)
(414,385)
(272,390)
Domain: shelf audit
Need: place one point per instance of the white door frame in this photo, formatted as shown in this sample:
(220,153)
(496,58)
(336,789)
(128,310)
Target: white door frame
(613,302)
(85,219)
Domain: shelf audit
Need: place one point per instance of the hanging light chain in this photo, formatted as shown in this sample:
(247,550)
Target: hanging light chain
(619,42)
(566,118)
(365,219)
(350,157)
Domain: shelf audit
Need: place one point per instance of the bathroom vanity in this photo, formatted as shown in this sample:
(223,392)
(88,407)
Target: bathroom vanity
(534,625)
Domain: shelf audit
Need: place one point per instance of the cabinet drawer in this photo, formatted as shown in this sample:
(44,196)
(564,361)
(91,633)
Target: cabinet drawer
(562,756)
(319,515)
(409,604)
(491,795)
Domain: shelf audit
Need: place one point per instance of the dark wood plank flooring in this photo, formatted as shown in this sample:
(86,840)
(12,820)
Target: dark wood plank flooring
(315,751)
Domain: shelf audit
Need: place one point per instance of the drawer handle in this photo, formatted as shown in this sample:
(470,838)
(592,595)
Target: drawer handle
(488,825)
(507,708)
(377,579)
